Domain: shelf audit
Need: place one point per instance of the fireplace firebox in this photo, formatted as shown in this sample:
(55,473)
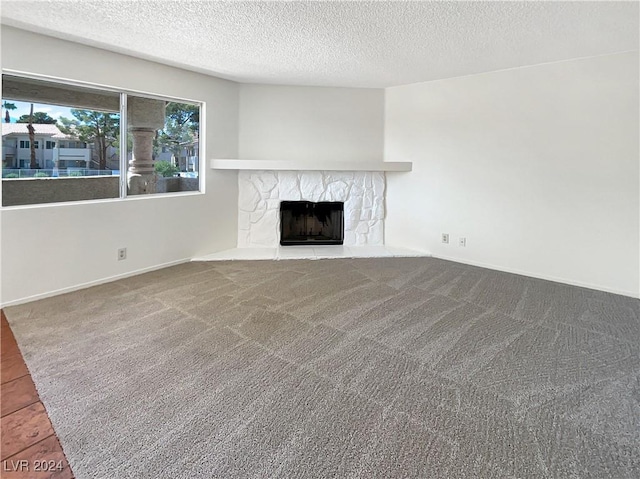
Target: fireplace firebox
(305,222)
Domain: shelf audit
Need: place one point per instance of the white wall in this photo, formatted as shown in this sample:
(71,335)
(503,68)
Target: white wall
(51,248)
(537,167)
(298,123)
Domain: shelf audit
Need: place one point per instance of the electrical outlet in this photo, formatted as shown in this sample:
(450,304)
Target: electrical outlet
(122,254)
(445,238)
(463,242)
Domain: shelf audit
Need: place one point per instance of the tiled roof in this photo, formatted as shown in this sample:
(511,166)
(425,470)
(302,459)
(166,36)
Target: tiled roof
(40,129)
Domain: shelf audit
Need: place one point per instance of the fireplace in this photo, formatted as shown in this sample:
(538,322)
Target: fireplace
(261,192)
(305,222)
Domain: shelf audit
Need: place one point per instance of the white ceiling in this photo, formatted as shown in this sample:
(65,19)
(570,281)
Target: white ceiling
(360,44)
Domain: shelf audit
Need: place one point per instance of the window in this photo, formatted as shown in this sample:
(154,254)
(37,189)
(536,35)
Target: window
(172,129)
(150,146)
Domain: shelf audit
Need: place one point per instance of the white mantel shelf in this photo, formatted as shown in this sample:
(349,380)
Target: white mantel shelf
(284,165)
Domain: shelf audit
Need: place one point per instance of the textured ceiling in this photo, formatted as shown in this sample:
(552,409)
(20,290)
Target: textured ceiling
(362,44)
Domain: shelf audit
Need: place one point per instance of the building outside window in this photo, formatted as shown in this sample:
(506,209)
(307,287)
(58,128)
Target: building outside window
(136,144)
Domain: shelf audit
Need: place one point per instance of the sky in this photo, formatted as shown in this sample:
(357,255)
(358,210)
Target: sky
(55,111)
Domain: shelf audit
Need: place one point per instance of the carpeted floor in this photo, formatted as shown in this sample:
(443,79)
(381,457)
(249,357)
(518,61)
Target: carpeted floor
(387,367)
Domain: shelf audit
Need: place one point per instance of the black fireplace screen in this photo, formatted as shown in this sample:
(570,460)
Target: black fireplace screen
(304,222)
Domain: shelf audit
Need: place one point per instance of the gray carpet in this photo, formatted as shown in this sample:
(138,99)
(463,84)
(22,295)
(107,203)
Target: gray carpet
(398,367)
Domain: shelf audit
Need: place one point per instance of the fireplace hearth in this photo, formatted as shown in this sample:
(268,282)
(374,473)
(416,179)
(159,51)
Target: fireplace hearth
(305,222)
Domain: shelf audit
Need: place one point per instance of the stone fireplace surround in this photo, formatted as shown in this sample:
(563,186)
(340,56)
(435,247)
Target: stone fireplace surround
(261,191)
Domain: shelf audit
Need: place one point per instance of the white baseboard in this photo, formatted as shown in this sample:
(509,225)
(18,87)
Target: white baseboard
(48,294)
(633,294)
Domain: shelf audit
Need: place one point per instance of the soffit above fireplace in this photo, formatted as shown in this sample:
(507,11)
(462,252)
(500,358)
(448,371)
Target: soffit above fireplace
(284,165)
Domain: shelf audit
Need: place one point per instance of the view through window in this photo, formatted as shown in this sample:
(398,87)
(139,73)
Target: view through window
(63,142)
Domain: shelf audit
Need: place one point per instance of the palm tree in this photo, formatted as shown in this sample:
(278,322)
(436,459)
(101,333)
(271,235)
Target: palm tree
(8,106)
(32,140)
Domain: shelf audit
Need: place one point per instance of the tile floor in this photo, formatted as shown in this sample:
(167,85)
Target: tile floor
(30,448)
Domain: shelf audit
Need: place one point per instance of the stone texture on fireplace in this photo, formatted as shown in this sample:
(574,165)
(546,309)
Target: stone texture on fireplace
(260,194)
